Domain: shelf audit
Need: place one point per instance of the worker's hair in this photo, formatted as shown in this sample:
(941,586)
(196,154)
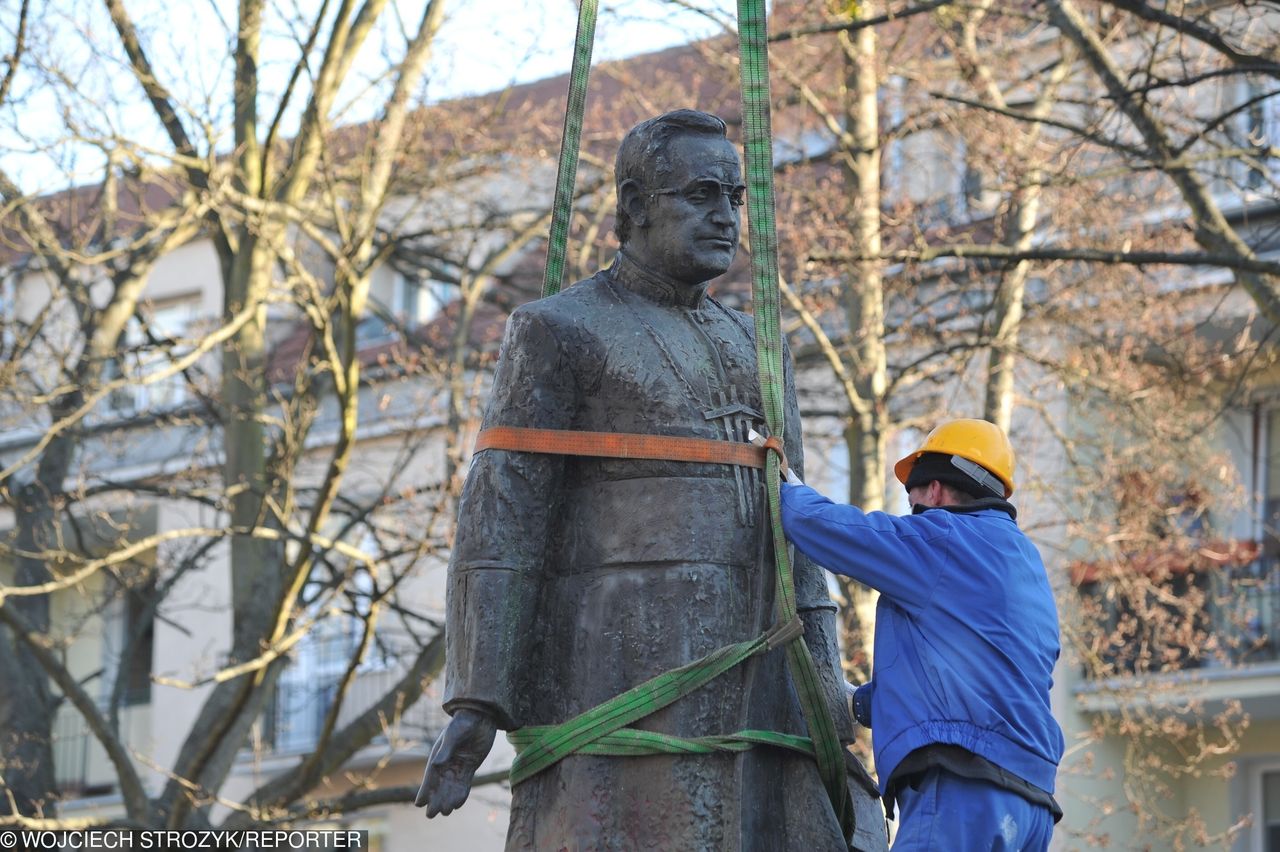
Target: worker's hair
(642,156)
(958,497)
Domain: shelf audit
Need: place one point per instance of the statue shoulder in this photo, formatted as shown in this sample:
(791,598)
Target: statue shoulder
(570,323)
(582,300)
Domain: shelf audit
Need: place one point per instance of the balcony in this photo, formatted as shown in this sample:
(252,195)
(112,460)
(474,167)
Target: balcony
(1203,627)
(80,764)
(308,686)
(1245,615)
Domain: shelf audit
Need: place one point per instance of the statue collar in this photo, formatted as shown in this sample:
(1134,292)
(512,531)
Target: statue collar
(654,286)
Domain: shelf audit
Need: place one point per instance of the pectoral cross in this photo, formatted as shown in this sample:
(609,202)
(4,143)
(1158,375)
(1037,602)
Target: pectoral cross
(737,418)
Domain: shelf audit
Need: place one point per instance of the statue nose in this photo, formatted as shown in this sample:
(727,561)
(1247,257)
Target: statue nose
(722,210)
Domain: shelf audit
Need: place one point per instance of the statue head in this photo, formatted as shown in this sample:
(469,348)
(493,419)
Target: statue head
(680,194)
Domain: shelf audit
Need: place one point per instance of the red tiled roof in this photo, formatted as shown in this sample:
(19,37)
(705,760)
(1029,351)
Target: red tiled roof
(78,215)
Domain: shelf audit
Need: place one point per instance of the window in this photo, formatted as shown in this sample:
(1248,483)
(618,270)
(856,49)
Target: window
(1246,598)
(374,330)
(801,145)
(152,340)
(1265,805)
(1260,126)
(891,99)
(130,637)
(972,192)
(1271,129)
(967,200)
(308,686)
(415,301)
(907,441)
(8,312)
(418,299)
(1269,455)
(140,628)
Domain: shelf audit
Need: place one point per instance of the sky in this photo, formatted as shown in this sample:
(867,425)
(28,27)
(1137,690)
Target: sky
(483,46)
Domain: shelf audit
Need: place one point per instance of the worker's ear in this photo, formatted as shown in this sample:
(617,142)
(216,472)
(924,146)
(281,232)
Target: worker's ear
(634,201)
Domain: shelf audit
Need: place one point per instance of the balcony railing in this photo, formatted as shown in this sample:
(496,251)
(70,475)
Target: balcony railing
(80,763)
(1245,614)
(73,746)
(1223,616)
(308,686)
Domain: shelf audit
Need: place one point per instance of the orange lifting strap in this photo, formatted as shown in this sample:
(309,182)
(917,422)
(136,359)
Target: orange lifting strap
(622,445)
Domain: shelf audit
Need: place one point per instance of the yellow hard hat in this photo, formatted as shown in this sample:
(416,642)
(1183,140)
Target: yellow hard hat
(982,443)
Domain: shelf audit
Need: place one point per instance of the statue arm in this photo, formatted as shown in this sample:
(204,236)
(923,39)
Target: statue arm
(504,520)
(814,603)
(496,566)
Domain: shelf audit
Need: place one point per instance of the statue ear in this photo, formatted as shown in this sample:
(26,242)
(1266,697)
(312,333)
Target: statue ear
(631,198)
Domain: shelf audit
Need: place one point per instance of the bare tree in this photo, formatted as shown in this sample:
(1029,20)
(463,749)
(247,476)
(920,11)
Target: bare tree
(1046,269)
(300,211)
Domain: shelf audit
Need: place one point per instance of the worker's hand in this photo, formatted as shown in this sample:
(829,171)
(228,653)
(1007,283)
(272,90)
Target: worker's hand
(460,749)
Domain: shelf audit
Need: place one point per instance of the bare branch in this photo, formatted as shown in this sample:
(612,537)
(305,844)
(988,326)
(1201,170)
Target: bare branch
(14,58)
(1006,253)
(136,802)
(860,24)
(1189,26)
(162,100)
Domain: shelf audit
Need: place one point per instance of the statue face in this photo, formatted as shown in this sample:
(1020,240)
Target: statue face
(692,222)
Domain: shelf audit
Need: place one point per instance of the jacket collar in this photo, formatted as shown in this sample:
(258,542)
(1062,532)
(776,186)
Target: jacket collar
(982,504)
(654,286)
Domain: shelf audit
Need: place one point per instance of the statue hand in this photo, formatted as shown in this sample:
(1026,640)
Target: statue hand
(460,749)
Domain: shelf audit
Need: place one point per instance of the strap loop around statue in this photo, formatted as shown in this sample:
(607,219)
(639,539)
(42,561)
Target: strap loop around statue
(570,141)
(633,742)
(542,747)
(627,445)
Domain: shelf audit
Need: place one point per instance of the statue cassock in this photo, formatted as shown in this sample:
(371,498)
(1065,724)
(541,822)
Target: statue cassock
(574,578)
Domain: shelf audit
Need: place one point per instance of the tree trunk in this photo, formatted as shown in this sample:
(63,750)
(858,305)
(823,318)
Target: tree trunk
(27,708)
(866,435)
(1010,293)
(257,567)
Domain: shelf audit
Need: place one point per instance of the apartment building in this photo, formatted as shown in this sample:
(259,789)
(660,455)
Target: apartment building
(150,454)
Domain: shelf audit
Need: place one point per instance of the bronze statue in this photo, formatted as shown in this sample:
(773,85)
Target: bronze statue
(576,578)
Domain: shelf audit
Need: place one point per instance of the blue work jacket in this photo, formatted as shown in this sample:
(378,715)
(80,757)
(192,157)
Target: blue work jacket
(966,628)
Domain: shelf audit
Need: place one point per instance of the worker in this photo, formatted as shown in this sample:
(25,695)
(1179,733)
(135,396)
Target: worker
(966,639)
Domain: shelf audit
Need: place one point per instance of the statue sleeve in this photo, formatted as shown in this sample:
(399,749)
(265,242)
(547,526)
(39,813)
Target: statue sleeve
(813,601)
(507,503)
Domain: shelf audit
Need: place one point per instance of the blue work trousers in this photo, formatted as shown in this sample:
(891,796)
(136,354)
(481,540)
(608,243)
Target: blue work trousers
(942,812)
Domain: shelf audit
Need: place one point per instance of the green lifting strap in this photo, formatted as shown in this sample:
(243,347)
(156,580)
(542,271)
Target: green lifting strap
(566,173)
(603,730)
(632,742)
(542,747)
(758,139)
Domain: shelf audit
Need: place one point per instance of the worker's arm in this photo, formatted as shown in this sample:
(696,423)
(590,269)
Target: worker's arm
(813,601)
(899,557)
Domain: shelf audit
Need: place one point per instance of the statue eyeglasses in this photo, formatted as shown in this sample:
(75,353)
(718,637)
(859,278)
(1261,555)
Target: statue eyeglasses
(705,190)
